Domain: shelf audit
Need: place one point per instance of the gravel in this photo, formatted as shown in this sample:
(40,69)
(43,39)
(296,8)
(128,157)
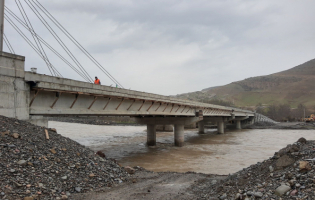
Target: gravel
(33,167)
(289,174)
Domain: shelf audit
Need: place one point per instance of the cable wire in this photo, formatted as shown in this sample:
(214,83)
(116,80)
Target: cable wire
(40,17)
(8,43)
(39,46)
(24,37)
(47,13)
(45,43)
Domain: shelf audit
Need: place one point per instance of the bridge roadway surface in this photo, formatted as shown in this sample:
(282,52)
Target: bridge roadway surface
(33,96)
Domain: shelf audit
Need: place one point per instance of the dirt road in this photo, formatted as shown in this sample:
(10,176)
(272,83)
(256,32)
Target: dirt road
(152,185)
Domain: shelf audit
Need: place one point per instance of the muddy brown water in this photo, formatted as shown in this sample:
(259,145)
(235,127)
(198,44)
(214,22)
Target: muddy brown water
(208,153)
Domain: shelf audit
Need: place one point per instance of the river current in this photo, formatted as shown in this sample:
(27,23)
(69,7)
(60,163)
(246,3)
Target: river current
(209,153)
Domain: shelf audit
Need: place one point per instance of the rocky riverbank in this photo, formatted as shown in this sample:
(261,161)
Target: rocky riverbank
(289,174)
(35,164)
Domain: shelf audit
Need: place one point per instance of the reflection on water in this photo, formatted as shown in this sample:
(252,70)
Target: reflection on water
(209,153)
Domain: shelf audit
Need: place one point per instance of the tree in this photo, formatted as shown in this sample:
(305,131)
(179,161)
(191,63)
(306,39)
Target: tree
(284,112)
(272,112)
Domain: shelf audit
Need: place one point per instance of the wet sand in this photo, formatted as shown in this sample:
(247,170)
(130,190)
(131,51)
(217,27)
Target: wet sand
(209,153)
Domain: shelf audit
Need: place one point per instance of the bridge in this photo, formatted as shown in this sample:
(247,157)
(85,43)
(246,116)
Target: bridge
(31,96)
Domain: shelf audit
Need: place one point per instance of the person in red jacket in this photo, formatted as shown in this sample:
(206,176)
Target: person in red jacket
(97,81)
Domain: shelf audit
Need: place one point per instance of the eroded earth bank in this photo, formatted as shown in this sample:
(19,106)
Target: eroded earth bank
(36,165)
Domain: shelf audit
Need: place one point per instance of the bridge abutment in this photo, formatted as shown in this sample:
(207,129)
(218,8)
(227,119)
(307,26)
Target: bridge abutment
(39,120)
(14,92)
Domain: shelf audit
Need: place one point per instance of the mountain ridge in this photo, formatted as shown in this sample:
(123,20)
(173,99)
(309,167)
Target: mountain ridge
(292,86)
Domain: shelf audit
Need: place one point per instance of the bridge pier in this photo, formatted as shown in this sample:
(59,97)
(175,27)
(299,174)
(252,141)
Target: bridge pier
(179,135)
(221,127)
(151,134)
(238,124)
(201,127)
(178,122)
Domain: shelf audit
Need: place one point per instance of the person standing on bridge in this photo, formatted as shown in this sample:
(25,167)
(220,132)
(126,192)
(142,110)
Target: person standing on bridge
(97,81)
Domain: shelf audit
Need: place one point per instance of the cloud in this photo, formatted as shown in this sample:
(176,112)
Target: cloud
(176,46)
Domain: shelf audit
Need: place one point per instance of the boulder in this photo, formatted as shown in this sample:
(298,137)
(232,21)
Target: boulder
(281,190)
(15,135)
(302,140)
(130,170)
(305,166)
(284,161)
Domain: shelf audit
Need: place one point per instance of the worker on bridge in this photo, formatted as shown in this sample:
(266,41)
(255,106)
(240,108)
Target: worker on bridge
(97,81)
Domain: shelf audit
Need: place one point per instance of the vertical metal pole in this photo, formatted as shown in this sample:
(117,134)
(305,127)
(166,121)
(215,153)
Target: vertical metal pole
(1,23)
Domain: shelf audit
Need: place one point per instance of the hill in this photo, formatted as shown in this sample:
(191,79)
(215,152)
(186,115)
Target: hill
(292,86)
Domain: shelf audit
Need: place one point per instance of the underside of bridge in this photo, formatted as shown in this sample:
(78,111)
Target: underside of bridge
(30,96)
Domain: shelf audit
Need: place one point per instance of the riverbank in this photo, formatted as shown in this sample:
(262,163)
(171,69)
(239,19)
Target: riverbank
(283,125)
(38,163)
(34,167)
(289,174)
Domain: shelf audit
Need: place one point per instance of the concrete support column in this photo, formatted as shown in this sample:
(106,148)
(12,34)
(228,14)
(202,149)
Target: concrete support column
(151,135)
(225,125)
(221,127)
(201,127)
(238,124)
(179,135)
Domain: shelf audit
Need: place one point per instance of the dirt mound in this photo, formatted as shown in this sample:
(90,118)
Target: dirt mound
(39,168)
(289,174)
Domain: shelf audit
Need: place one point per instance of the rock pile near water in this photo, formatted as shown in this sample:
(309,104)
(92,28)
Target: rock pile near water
(289,174)
(34,167)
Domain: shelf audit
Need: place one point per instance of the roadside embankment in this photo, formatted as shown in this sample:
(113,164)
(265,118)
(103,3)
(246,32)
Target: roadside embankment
(39,165)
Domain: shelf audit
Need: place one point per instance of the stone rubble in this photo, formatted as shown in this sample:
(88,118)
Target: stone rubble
(33,167)
(289,174)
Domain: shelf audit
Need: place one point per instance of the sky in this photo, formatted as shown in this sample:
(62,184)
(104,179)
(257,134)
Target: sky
(171,47)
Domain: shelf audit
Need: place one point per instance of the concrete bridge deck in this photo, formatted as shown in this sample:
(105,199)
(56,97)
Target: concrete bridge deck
(59,96)
(31,96)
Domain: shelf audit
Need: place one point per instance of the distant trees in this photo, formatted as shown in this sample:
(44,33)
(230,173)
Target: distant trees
(283,112)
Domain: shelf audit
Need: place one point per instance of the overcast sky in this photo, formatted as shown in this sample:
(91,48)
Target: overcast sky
(176,46)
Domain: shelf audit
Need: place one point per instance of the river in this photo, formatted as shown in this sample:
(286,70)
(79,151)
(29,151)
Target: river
(209,153)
